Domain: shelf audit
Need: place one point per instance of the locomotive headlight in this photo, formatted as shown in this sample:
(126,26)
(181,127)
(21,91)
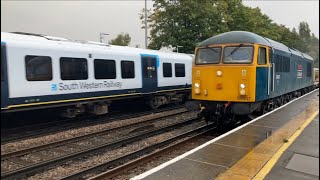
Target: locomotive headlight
(242,92)
(242,86)
(197,91)
(197,88)
(219,73)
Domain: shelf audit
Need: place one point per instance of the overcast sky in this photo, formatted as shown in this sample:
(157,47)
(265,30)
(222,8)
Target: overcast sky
(84,20)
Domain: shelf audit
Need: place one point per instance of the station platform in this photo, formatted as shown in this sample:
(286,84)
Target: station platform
(268,147)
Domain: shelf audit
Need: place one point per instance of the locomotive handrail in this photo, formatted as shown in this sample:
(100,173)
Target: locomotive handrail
(273,74)
(269,69)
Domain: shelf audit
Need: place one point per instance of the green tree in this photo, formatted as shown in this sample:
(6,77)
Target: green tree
(184,23)
(188,22)
(313,46)
(121,40)
(304,31)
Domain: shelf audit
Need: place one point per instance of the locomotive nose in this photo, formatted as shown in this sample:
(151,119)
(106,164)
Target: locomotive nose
(227,83)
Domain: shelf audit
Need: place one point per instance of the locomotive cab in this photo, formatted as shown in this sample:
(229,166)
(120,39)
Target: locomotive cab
(227,72)
(231,76)
(238,73)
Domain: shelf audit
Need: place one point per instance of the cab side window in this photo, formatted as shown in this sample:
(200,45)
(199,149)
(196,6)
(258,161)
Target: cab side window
(262,59)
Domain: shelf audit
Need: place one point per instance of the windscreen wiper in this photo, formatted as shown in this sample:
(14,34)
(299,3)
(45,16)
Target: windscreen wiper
(207,47)
(236,49)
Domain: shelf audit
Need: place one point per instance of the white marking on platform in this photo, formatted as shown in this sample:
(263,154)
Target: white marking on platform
(232,146)
(151,171)
(263,126)
(205,162)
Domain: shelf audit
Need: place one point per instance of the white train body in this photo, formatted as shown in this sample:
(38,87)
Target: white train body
(21,88)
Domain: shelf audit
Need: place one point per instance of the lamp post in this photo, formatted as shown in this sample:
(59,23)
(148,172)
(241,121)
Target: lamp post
(102,34)
(145,23)
(177,47)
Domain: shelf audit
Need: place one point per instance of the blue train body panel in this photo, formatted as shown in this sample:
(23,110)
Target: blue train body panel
(298,76)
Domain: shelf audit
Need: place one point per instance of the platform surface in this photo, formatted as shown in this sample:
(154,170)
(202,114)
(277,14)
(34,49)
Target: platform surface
(219,155)
(301,159)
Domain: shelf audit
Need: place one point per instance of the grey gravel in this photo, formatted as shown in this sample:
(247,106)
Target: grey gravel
(69,134)
(74,166)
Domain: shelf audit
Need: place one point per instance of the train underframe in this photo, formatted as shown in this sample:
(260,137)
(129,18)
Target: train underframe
(102,107)
(225,112)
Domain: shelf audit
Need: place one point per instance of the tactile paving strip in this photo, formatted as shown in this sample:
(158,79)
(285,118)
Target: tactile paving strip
(304,164)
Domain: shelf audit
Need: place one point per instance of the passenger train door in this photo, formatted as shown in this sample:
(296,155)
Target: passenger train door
(149,73)
(4,79)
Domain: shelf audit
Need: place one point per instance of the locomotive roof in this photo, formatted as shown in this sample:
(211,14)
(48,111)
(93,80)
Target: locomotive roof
(235,37)
(249,37)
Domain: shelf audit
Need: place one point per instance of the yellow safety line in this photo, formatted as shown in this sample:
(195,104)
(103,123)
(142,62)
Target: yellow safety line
(251,164)
(269,165)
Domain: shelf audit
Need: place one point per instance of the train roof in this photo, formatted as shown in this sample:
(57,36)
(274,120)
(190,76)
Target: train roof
(80,44)
(249,37)
(235,37)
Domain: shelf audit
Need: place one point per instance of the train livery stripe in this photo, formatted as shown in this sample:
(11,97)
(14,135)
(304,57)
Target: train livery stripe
(68,100)
(82,99)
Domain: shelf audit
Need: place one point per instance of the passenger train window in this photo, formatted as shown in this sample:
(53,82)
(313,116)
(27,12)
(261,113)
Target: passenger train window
(73,68)
(2,62)
(38,68)
(104,69)
(127,69)
(167,70)
(180,70)
(262,56)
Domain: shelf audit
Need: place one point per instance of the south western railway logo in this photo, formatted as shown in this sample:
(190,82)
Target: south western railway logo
(85,85)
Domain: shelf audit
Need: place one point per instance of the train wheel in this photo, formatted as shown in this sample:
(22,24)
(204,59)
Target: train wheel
(153,103)
(265,109)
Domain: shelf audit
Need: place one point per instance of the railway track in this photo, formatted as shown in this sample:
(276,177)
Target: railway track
(59,152)
(148,154)
(33,131)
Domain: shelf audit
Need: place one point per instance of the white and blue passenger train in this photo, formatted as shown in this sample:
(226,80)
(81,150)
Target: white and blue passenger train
(39,71)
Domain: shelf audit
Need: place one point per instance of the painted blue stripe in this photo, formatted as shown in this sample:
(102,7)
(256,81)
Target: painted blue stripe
(154,56)
(148,55)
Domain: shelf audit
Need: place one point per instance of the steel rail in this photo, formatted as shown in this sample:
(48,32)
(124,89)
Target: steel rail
(134,163)
(5,156)
(27,170)
(7,136)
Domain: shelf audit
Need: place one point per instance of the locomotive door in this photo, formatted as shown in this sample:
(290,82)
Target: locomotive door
(271,72)
(149,74)
(4,80)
